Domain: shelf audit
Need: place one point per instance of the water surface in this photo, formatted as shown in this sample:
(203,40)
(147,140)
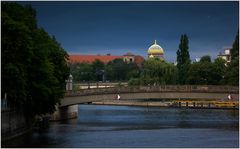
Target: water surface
(104,126)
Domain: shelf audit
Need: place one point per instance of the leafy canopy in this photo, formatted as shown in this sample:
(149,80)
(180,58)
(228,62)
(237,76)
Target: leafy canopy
(34,67)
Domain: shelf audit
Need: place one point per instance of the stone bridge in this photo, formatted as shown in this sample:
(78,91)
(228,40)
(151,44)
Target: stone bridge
(68,108)
(150,92)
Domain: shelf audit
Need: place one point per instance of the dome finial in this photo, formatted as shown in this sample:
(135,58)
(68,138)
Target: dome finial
(155,42)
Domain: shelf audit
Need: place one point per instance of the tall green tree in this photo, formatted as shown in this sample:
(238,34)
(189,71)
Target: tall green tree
(34,67)
(232,73)
(235,48)
(183,60)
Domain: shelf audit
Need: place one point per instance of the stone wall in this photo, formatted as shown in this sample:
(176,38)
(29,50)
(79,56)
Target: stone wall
(12,124)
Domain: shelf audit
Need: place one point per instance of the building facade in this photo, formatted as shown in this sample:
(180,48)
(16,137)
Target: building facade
(129,57)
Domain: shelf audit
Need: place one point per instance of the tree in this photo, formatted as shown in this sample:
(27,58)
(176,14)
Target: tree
(33,63)
(118,70)
(205,58)
(207,73)
(219,71)
(98,70)
(82,72)
(200,73)
(158,72)
(232,73)
(183,60)
(235,48)
(16,50)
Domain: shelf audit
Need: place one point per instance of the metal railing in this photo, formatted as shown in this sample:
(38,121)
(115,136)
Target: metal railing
(162,88)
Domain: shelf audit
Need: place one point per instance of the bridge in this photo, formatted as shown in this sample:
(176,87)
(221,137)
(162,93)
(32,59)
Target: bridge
(68,107)
(150,92)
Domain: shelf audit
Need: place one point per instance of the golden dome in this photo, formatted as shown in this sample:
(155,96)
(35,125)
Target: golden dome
(155,49)
(151,56)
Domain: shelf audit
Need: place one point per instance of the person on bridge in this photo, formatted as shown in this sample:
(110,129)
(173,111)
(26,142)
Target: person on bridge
(229,97)
(118,97)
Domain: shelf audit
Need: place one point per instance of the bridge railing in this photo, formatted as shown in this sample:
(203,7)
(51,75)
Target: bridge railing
(162,88)
(88,85)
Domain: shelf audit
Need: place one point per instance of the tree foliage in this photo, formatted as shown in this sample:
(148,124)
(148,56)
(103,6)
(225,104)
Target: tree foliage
(34,67)
(116,70)
(207,73)
(232,73)
(98,70)
(82,72)
(206,59)
(183,60)
(235,48)
(157,72)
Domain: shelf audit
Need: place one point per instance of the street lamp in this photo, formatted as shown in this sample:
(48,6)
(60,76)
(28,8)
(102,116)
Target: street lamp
(69,83)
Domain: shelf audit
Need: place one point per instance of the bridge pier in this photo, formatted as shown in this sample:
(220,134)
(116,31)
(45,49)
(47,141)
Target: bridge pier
(66,112)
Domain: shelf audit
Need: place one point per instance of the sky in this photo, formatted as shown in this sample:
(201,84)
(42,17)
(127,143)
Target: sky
(121,27)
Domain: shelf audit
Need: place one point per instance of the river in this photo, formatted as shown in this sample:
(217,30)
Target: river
(101,126)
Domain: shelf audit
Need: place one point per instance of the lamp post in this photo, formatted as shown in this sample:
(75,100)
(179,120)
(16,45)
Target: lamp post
(103,75)
(69,83)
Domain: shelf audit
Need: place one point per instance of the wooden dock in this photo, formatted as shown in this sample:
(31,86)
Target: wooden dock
(198,104)
(206,104)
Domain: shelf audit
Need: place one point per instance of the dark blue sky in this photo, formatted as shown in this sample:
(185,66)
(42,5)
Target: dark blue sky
(121,27)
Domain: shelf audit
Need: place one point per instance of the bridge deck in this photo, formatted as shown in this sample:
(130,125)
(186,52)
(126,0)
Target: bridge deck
(150,92)
(163,88)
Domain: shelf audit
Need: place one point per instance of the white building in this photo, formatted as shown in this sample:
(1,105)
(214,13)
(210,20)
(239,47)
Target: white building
(226,55)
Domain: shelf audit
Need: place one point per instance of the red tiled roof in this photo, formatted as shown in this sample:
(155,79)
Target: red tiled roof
(138,59)
(91,58)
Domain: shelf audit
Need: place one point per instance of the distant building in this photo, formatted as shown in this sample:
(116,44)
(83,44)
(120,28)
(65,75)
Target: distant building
(128,58)
(155,51)
(226,55)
